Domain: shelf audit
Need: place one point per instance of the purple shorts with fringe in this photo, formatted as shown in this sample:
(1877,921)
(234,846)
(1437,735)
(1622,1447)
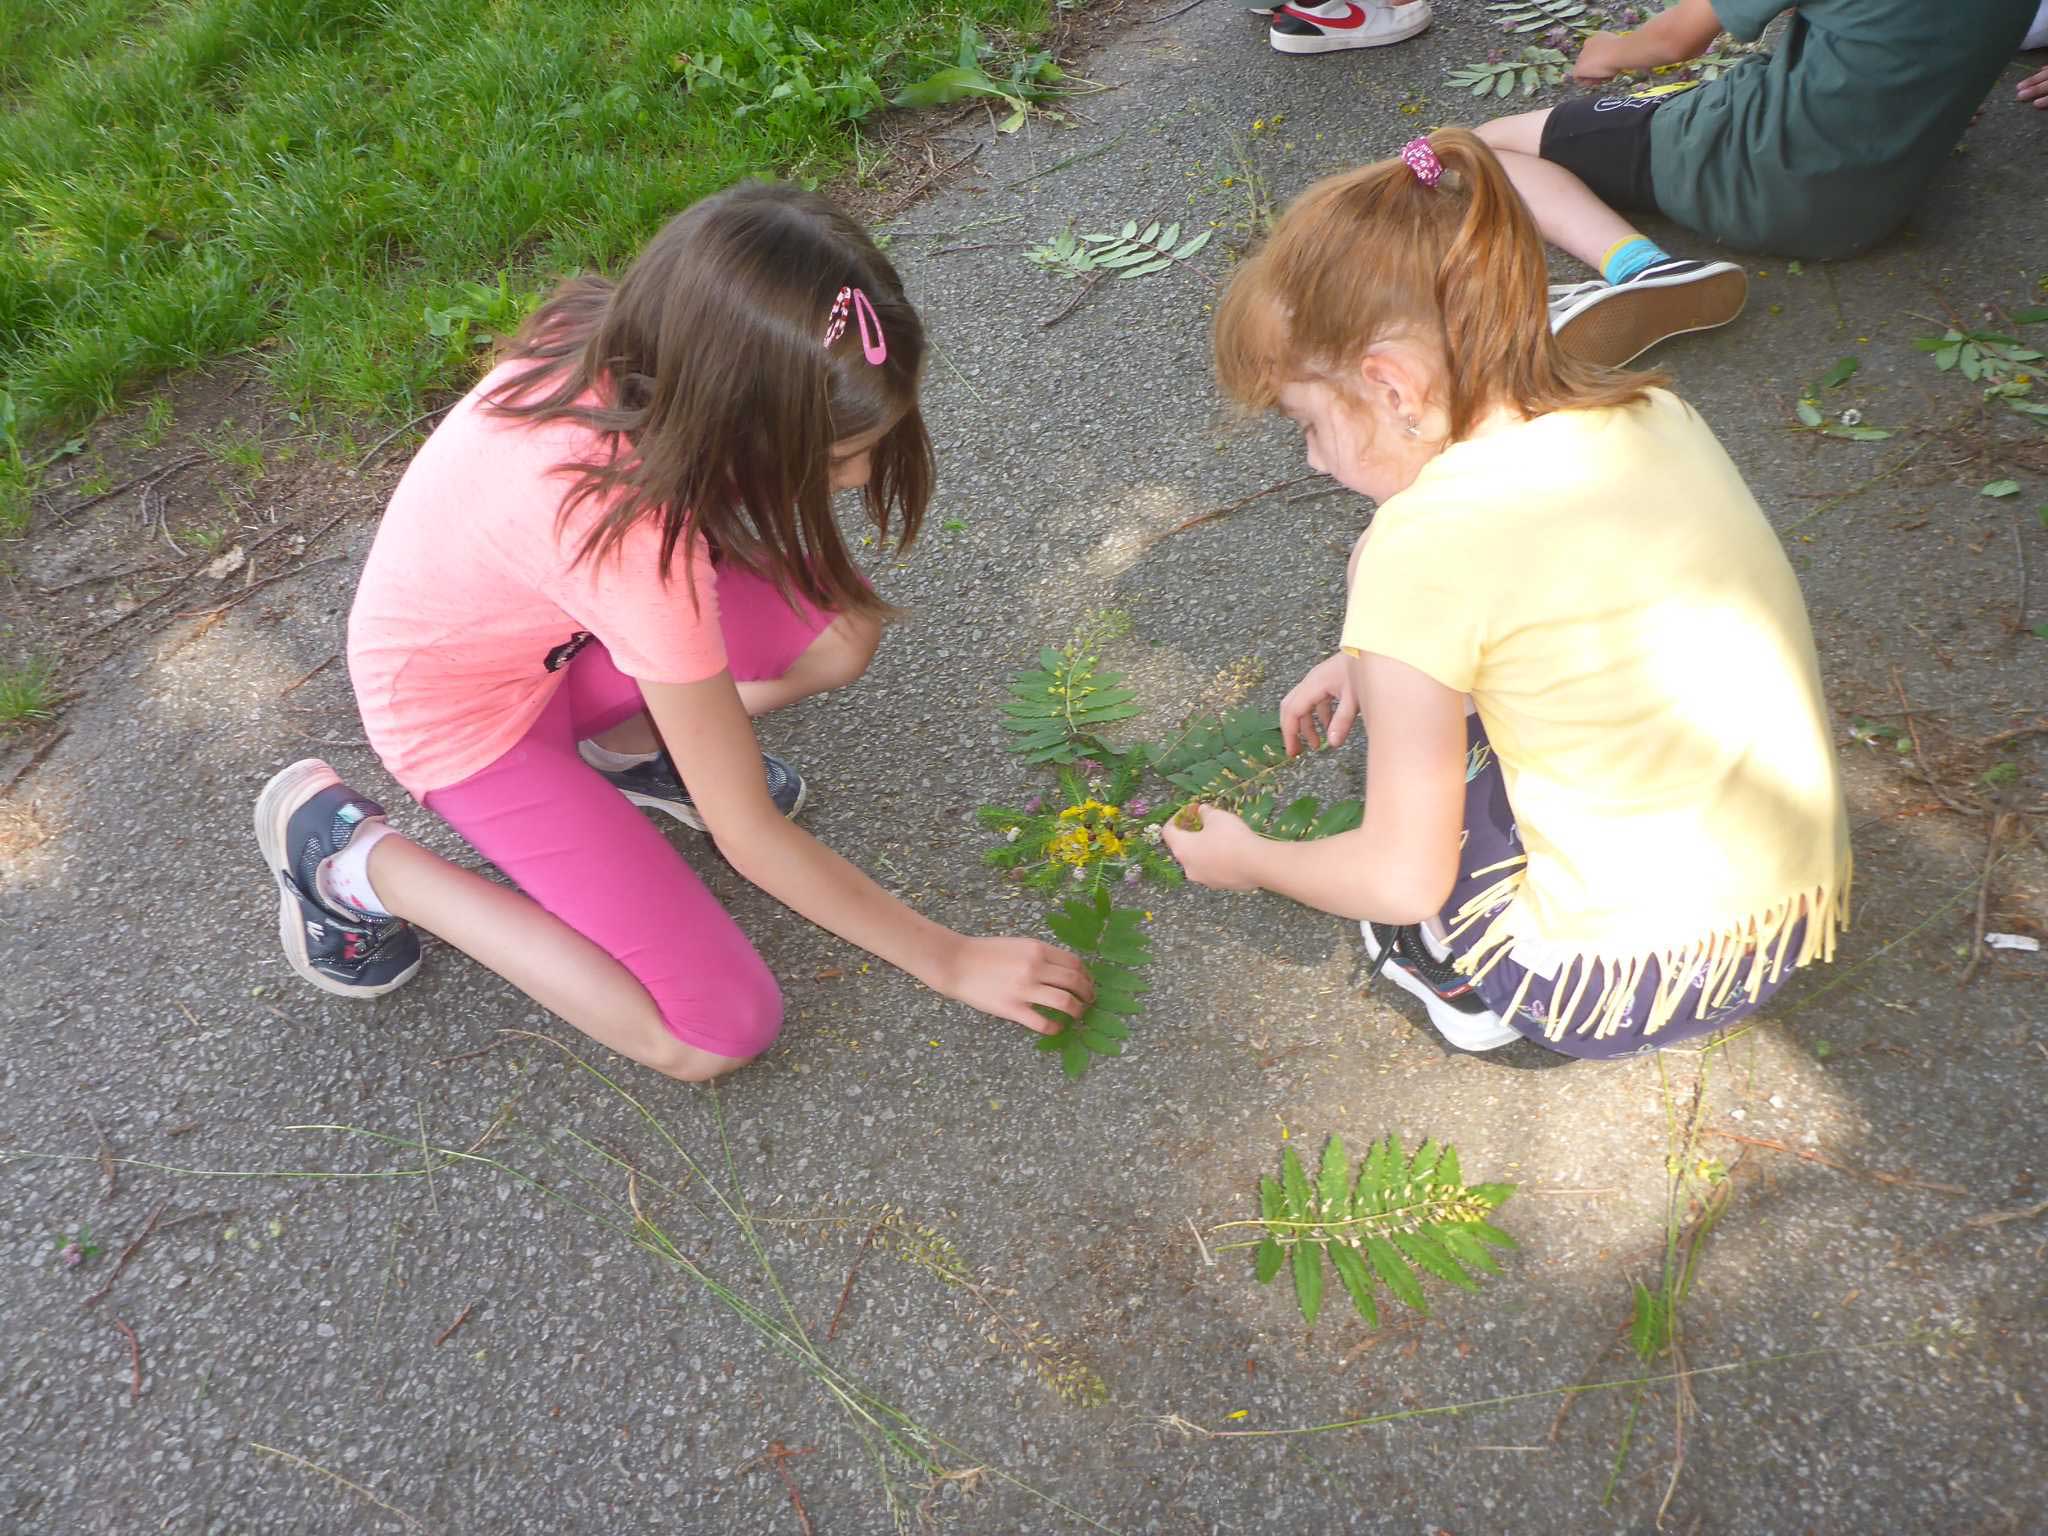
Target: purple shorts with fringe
(1491,839)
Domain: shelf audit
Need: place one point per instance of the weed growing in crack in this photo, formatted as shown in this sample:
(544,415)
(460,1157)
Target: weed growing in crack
(28,693)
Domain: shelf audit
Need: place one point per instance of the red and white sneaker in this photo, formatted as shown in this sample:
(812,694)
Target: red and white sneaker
(1345,24)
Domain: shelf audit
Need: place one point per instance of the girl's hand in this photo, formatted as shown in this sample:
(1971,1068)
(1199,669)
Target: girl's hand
(1220,853)
(1321,708)
(1602,58)
(2035,89)
(1005,977)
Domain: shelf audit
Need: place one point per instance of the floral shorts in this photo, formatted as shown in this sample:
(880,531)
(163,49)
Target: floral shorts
(1491,839)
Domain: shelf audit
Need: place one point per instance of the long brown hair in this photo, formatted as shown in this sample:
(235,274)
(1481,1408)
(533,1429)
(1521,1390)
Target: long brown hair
(704,368)
(1374,254)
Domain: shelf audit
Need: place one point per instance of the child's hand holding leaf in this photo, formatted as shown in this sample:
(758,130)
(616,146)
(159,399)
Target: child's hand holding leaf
(1219,851)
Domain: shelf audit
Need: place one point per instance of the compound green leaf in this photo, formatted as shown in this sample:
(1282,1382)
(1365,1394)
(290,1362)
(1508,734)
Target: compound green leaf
(1341,817)
(1425,1161)
(1300,1205)
(1434,1257)
(1488,1233)
(1333,1183)
(1467,1249)
(1267,1259)
(1395,1274)
(1308,1280)
(1352,1273)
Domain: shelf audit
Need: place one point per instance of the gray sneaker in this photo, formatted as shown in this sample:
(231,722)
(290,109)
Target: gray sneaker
(656,785)
(304,816)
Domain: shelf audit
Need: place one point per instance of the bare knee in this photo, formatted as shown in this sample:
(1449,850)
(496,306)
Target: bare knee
(847,648)
(690,1064)
(744,1021)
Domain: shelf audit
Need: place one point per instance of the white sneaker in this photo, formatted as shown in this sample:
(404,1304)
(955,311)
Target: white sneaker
(1419,966)
(1345,24)
(1615,323)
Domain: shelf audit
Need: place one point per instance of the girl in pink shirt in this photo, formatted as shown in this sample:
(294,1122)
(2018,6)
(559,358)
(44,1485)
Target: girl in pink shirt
(610,556)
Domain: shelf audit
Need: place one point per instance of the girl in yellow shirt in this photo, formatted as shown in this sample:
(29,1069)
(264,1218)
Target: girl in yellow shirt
(1602,806)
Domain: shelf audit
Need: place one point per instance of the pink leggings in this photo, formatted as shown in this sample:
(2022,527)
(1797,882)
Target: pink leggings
(577,846)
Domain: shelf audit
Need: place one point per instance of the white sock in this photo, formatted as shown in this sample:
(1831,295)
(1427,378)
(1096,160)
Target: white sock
(607,761)
(344,880)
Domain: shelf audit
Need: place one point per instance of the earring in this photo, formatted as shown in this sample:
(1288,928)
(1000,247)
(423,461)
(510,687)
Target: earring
(1413,427)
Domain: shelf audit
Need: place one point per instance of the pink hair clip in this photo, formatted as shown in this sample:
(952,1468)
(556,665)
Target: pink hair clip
(1421,159)
(873,346)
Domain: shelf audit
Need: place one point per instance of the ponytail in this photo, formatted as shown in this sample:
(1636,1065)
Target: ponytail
(1453,263)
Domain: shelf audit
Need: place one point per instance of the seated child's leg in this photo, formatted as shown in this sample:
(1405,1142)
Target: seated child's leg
(1569,214)
(1591,157)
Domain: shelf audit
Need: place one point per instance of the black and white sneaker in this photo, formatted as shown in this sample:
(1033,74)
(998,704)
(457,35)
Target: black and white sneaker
(1344,24)
(1416,964)
(1615,323)
(656,785)
(305,816)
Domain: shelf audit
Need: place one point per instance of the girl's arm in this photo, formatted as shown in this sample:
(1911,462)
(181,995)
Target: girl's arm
(1400,864)
(712,741)
(1682,32)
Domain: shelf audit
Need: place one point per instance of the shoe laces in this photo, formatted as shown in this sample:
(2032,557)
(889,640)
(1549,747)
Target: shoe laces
(1562,294)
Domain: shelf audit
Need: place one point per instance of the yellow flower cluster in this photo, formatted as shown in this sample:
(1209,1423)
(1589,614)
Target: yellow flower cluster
(1092,836)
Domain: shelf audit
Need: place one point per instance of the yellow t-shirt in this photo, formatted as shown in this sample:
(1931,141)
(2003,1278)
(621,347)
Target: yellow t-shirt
(1604,586)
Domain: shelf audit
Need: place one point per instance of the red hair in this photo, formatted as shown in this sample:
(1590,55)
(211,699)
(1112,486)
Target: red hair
(1373,255)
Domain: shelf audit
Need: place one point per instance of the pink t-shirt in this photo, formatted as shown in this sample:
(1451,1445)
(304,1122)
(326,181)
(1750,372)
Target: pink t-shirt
(470,601)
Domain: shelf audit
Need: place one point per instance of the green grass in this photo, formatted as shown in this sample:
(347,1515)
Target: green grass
(180,179)
(27,694)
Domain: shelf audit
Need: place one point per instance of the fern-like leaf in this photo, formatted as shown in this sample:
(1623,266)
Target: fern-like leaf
(1536,67)
(1134,253)
(1055,709)
(1308,1280)
(1115,949)
(1396,1219)
(1540,15)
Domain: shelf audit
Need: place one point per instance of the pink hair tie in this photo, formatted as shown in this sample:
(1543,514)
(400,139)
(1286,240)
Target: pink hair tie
(1421,159)
(873,346)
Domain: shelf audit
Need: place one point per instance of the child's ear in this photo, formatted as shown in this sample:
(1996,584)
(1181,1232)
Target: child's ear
(1394,382)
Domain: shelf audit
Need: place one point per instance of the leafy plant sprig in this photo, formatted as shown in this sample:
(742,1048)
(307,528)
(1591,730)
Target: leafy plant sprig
(1030,80)
(1056,709)
(1536,67)
(1233,762)
(1996,361)
(1113,944)
(1128,253)
(1104,830)
(1542,15)
(1394,1220)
